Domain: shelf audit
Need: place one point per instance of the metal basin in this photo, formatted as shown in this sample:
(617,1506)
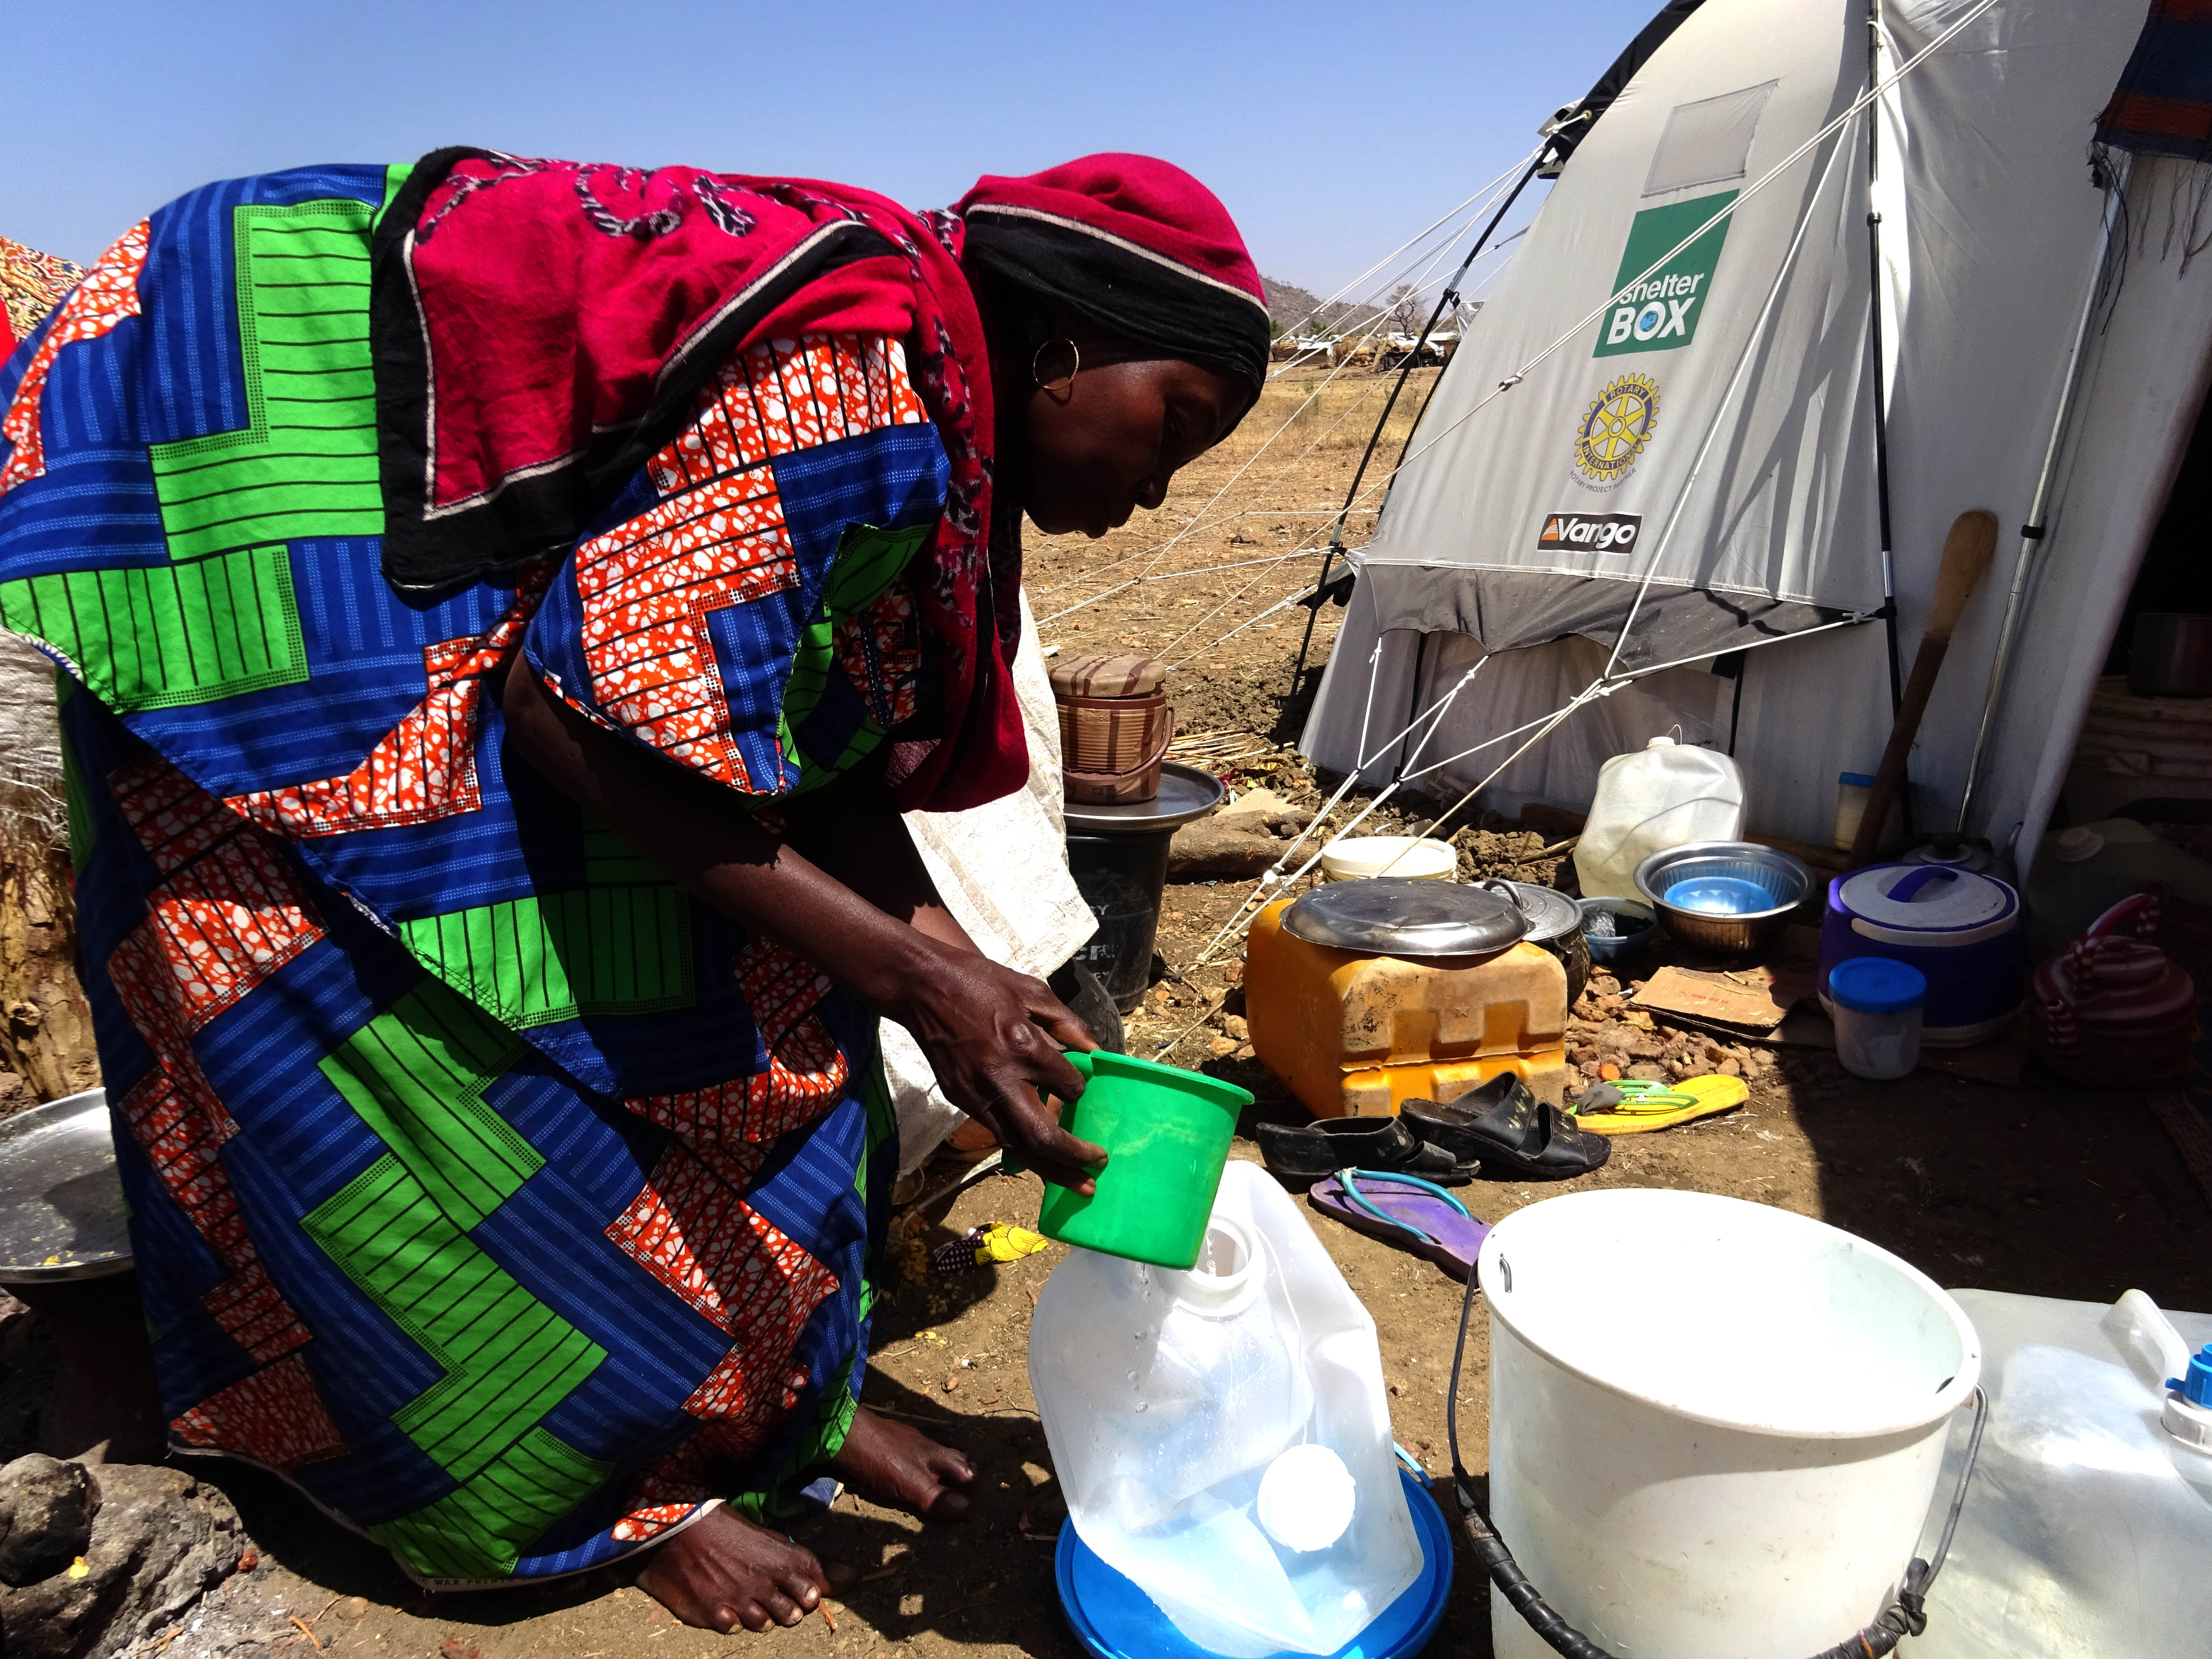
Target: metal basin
(61,1202)
(1782,879)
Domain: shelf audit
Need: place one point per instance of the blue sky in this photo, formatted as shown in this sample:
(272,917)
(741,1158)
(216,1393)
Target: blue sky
(1333,131)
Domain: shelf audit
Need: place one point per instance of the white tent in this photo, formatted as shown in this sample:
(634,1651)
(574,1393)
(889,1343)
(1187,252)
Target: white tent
(1731,394)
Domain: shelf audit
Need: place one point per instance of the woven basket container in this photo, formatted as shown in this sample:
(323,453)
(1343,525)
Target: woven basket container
(1113,734)
(1115,726)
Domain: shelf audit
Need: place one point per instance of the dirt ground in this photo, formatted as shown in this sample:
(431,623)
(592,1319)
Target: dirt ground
(2047,1188)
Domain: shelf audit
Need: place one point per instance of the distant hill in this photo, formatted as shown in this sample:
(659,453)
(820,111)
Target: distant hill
(1290,307)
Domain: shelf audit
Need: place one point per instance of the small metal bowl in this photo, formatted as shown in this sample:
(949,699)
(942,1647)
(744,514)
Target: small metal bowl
(1635,925)
(1782,878)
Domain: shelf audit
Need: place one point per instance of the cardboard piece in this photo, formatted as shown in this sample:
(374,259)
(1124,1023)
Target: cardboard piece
(1751,1000)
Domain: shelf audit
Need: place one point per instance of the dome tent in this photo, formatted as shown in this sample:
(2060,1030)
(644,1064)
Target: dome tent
(1730,394)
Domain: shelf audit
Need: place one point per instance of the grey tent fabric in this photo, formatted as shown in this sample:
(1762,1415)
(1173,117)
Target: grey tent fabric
(1991,243)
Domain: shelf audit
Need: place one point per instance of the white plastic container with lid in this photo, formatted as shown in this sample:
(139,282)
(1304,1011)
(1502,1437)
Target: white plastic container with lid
(1665,794)
(1222,1435)
(1877,1003)
(1410,856)
(1853,791)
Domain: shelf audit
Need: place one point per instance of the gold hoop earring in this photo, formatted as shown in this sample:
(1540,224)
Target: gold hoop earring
(1059,388)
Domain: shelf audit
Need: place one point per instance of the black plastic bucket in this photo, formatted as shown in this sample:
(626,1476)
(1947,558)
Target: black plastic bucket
(1121,878)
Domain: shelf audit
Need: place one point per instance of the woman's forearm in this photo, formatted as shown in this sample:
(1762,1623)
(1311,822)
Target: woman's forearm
(993,1036)
(712,846)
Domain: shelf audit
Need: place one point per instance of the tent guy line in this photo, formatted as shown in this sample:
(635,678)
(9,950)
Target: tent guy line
(1866,100)
(1581,329)
(1720,409)
(1201,521)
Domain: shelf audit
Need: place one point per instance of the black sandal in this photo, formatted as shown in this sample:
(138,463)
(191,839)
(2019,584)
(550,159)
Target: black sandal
(1299,1154)
(1510,1129)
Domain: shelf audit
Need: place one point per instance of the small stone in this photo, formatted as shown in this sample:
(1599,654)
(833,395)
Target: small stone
(353,1607)
(1221,1047)
(160,1540)
(1209,847)
(1584,1054)
(1731,1067)
(1235,1026)
(46,1507)
(1234,973)
(1650,1070)
(1245,1051)
(1262,810)
(1609,1072)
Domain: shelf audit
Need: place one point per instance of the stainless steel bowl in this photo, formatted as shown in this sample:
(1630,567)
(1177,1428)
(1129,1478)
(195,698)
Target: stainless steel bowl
(1785,880)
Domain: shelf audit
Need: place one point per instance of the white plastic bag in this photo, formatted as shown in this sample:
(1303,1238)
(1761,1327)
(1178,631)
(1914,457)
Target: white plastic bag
(1168,1397)
(1665,794)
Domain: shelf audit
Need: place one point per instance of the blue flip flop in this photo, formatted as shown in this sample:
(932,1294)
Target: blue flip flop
(1404,1210)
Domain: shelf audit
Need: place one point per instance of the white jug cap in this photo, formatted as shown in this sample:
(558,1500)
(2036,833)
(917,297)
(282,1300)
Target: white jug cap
(1306,1499)
(2079,843)
(1660,741)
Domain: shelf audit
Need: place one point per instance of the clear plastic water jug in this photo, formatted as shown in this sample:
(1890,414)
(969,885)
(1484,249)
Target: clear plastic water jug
(1665,794)
(1222,1434)
(2087,1528)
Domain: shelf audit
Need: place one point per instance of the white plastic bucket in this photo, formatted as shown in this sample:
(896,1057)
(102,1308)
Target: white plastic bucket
(1389,855)
(1715,1426)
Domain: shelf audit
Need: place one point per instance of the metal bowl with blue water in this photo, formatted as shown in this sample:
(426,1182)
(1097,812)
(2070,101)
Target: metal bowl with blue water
(1726,898)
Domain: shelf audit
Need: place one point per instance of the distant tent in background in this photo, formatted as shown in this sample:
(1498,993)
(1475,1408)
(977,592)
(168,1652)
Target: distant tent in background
(1539,488)
(32,284)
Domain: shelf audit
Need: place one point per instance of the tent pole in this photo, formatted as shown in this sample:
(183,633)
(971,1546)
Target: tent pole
(2032,531)
(1874,349)
(1450,297)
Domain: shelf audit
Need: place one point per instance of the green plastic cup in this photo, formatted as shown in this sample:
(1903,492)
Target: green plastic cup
(1166,1133)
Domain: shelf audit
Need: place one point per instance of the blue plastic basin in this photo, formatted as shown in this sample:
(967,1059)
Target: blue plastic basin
(1720,896)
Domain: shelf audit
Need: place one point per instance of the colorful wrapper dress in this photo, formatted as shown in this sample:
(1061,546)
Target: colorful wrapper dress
(507,1200)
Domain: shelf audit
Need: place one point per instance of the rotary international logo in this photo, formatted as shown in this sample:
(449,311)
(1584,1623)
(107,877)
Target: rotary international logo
(1614,429)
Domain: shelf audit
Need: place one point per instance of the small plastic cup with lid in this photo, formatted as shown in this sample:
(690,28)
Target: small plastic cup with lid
(1877,1004)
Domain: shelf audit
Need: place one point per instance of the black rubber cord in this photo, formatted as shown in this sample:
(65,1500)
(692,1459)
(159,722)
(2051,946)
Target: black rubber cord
(1907,1615)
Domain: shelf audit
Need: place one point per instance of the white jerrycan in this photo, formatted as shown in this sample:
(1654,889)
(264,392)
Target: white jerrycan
(1221,1435)
(1665,794)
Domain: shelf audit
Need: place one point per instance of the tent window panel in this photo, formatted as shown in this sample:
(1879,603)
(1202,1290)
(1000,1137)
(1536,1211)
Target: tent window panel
(1708,141)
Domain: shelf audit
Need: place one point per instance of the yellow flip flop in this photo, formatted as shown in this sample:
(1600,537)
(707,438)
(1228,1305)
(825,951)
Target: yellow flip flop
(1645,1105)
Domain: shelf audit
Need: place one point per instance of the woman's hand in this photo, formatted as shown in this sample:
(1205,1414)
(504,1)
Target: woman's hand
(986,1032)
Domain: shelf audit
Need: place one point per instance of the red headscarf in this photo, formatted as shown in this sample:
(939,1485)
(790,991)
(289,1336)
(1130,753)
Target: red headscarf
(1135,244)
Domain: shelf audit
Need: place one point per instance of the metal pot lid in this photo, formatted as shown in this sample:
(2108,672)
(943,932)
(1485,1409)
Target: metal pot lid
(1185,793)
(1406,916)
(61,1201)
(1551,915)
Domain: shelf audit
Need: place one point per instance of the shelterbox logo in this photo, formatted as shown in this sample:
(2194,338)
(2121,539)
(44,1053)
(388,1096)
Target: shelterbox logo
(1661,310)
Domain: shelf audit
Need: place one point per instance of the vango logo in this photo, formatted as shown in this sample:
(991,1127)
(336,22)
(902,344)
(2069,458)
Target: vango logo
(1589,532)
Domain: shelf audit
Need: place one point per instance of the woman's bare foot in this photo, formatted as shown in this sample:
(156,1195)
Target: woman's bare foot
(904,1468)
(722,1571)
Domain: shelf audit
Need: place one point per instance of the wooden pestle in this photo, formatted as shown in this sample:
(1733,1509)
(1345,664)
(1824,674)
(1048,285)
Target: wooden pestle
(1967,553)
